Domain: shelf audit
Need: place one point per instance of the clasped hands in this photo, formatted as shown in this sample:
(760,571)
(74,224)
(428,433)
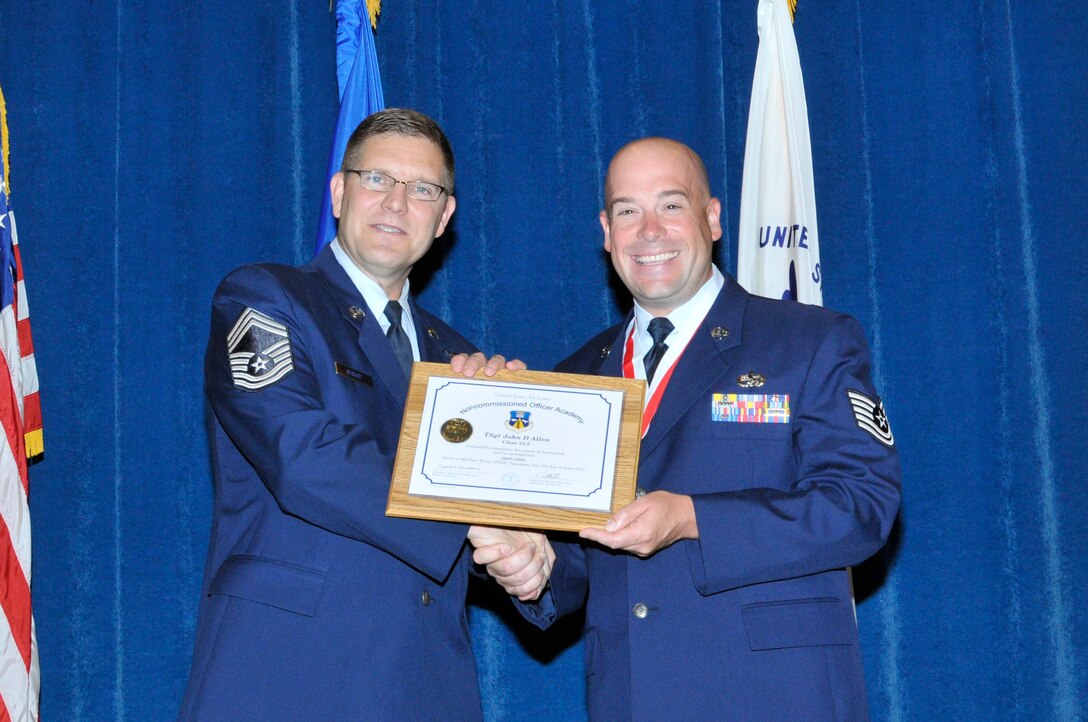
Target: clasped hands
(521,561)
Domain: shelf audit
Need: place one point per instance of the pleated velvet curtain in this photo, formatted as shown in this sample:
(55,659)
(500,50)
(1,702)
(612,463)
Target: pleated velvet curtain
(155,146)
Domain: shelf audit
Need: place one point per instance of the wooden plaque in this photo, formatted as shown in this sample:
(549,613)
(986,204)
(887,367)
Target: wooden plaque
(516,515)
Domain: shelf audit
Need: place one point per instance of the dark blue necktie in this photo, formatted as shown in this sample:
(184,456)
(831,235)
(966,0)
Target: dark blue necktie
(659,328)
(402,347)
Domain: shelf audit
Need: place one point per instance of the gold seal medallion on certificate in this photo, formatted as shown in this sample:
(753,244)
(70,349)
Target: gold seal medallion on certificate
(456,430)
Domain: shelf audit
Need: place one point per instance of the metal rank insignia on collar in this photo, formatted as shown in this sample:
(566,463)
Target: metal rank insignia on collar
(355,312)
(432,333)
(260,351)
(719,332)
(751,380)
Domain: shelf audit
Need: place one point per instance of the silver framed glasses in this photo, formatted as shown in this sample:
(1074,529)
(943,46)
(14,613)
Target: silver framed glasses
(378,182)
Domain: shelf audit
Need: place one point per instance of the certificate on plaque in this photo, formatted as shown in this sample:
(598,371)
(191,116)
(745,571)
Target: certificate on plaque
(526,449)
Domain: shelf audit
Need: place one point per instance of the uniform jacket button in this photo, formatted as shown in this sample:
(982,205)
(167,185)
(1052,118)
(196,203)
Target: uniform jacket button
(640,610)
(426,598)
(639,492)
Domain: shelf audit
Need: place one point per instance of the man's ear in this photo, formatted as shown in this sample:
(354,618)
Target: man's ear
(336,190)
(607,235)
(714,218)
(451,204)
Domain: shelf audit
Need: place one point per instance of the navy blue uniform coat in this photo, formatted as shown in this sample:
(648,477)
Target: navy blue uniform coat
(754,620)
(315,605)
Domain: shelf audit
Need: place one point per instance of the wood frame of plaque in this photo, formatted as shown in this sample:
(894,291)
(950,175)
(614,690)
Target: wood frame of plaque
(502,514)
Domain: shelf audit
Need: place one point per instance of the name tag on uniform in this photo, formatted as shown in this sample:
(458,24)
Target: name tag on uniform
(751,408)
(352,374)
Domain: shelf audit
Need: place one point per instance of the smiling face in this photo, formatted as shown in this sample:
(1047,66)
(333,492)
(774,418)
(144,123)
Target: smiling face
(659,222)
(384,234)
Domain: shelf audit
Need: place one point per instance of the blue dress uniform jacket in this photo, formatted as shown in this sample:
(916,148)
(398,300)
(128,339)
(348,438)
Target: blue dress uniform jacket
(315,605)
(754,620)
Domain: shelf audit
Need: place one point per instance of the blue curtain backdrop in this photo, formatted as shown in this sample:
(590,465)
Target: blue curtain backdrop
(158,145)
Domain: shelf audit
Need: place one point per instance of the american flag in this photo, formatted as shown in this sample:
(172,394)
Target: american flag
(20,412)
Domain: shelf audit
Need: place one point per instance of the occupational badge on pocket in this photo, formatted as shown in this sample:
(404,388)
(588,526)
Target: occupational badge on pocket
(260,351)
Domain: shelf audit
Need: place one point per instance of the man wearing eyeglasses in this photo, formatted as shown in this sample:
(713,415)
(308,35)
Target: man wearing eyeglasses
(316,605)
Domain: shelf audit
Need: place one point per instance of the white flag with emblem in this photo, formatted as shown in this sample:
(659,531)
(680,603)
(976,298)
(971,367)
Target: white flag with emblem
(779,251)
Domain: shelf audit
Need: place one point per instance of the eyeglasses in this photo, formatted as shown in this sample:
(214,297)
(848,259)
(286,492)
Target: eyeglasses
(419,190)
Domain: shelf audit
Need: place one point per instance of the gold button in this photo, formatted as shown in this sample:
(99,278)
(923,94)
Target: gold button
(356,312)
(719,332)
(640,610)
(426,597)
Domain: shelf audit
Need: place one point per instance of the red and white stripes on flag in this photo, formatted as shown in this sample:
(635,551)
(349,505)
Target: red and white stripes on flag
(20,414)
(778,254)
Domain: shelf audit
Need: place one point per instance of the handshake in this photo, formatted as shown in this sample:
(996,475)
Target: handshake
(520,561)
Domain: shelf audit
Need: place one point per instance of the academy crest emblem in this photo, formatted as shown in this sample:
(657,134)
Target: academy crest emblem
(870,416)
(519,421)
(259,350)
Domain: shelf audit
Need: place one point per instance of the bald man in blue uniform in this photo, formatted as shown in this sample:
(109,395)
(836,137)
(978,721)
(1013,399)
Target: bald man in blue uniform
(315,605)
(766,469)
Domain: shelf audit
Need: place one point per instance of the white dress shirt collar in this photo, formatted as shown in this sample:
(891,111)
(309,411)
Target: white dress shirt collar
(376,298)
(685,319)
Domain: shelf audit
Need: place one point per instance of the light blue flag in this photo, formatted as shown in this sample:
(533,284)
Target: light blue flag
(360,95)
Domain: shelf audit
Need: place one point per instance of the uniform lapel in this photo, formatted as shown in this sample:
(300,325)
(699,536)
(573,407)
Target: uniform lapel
(372,342)
(707,359)
(612,365)
(432,345)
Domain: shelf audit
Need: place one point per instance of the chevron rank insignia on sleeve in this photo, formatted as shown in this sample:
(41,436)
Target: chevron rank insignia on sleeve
(869,414)
(260,351)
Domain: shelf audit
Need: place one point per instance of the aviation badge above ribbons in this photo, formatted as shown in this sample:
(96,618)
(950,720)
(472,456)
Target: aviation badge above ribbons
(260,351)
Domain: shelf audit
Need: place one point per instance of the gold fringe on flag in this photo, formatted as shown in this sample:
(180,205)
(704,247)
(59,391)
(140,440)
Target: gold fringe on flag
(791,3)
(374,8)
(4,140)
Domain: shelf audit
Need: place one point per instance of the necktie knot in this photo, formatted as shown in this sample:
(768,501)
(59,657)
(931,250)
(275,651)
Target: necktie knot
(659,328)
(402,347)
(393,312)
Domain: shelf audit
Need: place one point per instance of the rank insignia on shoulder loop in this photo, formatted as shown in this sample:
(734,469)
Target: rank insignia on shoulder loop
(260,351)
(869,413)
(432,333)
(751,380)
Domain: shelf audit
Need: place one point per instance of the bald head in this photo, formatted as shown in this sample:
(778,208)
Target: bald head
(675,154)
(659,222)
